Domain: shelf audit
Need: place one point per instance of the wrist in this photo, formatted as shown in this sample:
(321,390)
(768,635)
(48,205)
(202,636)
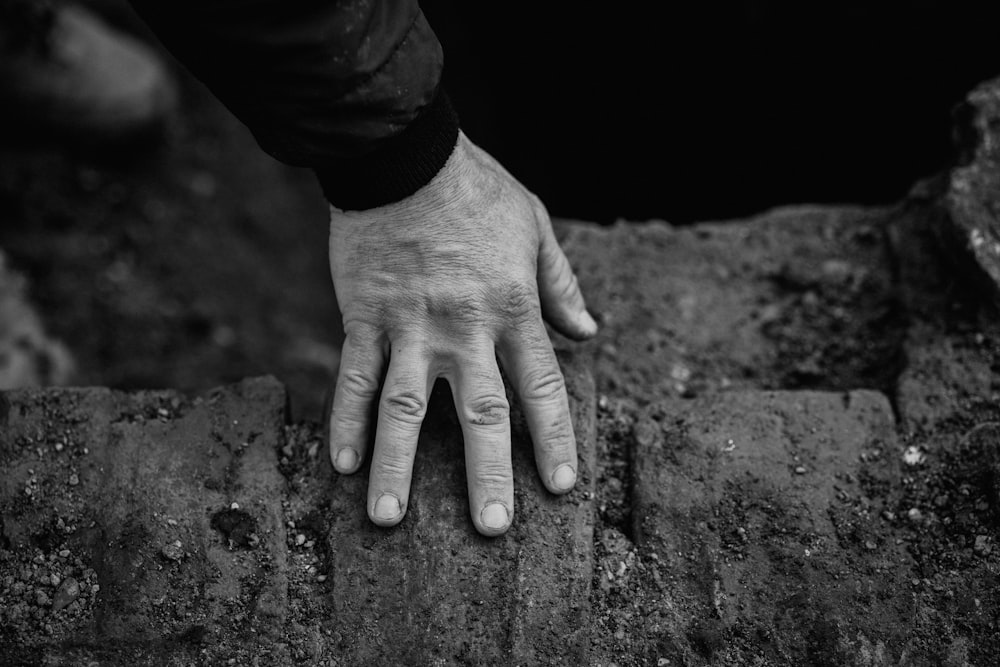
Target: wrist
(399,166)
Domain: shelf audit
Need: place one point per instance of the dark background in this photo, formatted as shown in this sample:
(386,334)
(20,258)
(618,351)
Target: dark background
(688,111)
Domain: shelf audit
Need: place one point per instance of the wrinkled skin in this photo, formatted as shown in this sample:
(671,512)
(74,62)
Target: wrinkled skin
(443,285)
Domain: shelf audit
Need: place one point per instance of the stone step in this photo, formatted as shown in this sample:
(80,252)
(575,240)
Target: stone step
(165,511)
(164,521)
(433,591)
(763,551)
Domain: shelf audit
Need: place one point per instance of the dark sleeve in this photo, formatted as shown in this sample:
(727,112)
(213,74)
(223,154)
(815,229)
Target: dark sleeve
(349,88)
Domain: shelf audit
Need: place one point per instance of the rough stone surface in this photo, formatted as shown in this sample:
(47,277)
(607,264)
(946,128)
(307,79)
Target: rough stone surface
(810,298)
(974,190)
(766,545)
(153,529)
(119,491)
(799,297)
(435,592)
(951,341)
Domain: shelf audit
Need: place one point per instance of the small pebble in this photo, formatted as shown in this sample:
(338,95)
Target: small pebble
(234,506)
(914,514)
(913,456)
(300,539)
(800,470)
(173,551)
(982,546)
(74,479)
(871,546)
(67,593)
(321,578)
(64,553)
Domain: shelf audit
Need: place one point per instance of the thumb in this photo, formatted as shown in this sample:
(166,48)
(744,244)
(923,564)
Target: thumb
(562,302)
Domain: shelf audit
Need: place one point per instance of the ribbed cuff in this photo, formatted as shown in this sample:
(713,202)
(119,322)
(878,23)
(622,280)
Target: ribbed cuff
(406,163)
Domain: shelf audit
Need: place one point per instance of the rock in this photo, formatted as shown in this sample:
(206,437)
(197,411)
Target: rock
(152,519)
(68,591)
(987,437)
(740,305)
(753,555)
(173,550)
(973,198)
(29,357)
(433,591)
(982,546)
(140,576)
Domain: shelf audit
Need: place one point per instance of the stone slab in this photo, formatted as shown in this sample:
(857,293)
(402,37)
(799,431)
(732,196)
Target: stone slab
(754,507)
(134,497)
(742,304)
(433,591)
(179,523)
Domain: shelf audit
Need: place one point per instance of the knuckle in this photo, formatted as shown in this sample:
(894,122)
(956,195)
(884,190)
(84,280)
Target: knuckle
(566,284)
(487,410)
(405,407)
(455,305)
(360,326)
(494,475)
(569,286)
(342,421)
(393,465)
(558,440)
(544,385)
(517,300)
(358,385)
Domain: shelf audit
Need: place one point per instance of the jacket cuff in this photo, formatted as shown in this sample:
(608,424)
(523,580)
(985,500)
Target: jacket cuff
(398,168)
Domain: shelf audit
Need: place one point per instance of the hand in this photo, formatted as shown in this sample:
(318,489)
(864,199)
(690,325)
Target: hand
(442,284)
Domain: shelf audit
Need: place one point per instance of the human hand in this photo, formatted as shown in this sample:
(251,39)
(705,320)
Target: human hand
(442,284)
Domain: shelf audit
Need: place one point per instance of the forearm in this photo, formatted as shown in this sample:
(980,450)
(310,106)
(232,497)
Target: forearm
(350,89)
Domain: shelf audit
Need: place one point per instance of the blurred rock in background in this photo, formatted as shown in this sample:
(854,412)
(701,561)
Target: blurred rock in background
(28,356)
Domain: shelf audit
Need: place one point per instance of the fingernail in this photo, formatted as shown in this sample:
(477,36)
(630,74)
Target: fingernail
(494,516)
(587,323)
(386,507)
(347,458)
(564,477)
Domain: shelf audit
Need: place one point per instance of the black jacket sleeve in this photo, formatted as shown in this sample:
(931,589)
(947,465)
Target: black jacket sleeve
(349,88)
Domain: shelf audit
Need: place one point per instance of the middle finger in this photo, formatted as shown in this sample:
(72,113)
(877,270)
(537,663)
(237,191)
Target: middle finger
(402,408)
